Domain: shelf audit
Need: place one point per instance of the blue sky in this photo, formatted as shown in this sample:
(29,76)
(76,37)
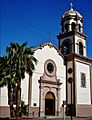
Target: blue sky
(38,21)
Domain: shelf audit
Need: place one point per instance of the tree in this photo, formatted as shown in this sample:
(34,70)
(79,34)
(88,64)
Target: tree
(23,61)
(19,60)
(6,79)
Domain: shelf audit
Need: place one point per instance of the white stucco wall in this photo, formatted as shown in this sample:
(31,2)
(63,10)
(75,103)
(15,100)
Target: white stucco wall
(42,55)
(4,96)
(25,88)
(69,65)
(83,93)
(24,92)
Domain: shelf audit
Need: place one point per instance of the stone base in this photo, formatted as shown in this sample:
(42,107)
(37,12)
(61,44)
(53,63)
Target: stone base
(33,112)
(84,111)
(4,111)
(81,111)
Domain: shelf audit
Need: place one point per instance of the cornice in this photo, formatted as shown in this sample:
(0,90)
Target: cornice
(49,82)
(70,33)
(76,17)
(80,57)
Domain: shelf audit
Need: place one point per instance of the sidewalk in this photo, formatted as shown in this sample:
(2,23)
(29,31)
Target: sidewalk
(59,118)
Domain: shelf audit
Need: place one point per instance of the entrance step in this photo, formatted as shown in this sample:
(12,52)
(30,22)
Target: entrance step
(51,118)
(60,118)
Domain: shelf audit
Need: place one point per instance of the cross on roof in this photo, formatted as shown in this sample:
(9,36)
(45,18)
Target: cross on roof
(71,5)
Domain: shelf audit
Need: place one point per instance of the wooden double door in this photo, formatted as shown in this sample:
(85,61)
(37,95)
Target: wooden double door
(49,104)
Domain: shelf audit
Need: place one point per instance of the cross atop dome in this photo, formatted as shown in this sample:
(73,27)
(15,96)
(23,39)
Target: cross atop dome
(71,6)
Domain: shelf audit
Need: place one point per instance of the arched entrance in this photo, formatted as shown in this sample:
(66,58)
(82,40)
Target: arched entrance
(49,104)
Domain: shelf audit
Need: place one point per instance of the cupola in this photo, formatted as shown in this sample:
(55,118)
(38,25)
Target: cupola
(72,20)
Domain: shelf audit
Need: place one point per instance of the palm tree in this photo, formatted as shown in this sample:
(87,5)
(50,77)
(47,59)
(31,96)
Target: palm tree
(6,79)
(19,60)
(23,60)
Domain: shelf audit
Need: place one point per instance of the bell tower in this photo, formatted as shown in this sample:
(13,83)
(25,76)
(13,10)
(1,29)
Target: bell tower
(72,38)
(72,44)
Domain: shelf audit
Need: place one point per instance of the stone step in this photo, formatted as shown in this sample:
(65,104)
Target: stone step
(60,118)
(51,118)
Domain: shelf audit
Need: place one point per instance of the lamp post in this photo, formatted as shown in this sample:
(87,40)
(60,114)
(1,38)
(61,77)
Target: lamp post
(64,105)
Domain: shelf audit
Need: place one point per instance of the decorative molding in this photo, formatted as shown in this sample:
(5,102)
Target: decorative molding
(82,62)
(68,34)
(80,57)
(72,17)
(49,82)
(52,67)
(83,46)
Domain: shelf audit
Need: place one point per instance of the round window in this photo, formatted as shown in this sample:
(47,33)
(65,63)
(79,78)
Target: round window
(50,67)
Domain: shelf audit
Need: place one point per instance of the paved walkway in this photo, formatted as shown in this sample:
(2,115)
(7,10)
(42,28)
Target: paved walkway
(59,118)
(47,118)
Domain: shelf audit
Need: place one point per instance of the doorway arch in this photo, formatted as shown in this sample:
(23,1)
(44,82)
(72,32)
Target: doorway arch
(49,103)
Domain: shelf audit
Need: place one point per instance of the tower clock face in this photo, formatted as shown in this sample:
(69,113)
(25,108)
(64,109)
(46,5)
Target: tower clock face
(50,67)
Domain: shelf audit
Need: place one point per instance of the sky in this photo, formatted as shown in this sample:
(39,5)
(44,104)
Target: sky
(38,21)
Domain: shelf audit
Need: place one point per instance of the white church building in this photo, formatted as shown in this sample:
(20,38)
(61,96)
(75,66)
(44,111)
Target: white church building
(62,75)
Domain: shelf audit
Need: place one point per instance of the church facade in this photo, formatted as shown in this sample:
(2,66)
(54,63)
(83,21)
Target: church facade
(63,75)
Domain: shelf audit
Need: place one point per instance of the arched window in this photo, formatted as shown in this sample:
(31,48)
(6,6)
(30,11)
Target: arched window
(66,27)
(66,48)
(80,48)
(73,26)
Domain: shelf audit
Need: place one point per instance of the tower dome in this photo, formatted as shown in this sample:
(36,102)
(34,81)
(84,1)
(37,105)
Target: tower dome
(72,20)
(72,12)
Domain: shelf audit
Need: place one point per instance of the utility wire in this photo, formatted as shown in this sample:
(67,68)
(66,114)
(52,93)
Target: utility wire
(21,21)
